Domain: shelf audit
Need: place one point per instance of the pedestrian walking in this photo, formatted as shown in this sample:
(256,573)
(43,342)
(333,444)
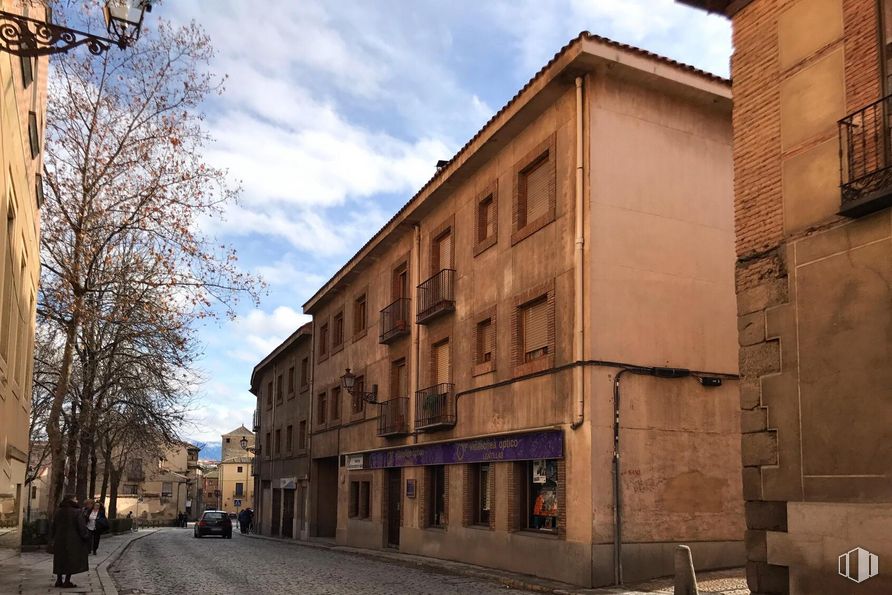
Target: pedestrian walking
(71,540)
(243,521)
(97,523)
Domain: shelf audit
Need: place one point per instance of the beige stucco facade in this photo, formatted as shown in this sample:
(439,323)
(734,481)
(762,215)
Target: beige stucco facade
(235,481)
(282,383)
(21,141)
(158,487)
(814,288)
(655,291)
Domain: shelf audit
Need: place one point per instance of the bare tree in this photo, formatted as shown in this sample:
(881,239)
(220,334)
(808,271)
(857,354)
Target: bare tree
(125,175)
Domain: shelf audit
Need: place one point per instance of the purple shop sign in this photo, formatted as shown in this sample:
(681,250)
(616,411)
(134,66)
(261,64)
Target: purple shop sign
(512,447)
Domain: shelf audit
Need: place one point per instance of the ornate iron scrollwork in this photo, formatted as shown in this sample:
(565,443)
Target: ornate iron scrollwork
(30,38)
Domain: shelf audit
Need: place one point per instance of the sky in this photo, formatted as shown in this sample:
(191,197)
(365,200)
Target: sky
(335,114)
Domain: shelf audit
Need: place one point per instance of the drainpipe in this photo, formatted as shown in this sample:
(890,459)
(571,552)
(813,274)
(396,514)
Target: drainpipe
(578,321)
(414,378)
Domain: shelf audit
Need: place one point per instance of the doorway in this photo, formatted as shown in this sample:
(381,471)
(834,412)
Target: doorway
(288,514)
(277,512)
(326,497)
(394,502)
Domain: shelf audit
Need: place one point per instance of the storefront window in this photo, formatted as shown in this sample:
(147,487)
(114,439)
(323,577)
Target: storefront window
(360,500)
(436,496)
(542,495)
(482,487)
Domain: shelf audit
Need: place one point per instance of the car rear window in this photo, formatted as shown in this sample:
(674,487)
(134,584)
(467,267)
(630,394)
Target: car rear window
(213,516)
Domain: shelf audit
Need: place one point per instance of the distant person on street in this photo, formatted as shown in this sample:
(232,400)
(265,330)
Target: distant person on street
(243,521)
(71,540)
(249,513)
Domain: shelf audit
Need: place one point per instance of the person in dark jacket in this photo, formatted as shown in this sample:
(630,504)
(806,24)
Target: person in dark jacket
(71,542)
(97,522)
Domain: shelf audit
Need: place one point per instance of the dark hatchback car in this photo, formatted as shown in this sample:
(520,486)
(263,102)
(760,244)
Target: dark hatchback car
(214,522)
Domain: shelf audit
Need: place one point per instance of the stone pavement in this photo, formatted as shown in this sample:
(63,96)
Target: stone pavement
(721,582)
(32,572)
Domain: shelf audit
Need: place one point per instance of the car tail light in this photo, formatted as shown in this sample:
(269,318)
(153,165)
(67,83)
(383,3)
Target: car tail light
(202,523)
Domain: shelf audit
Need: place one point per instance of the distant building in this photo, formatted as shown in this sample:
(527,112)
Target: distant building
(234,473)
(157,488)
(282,384)
(813,178)
(22,118)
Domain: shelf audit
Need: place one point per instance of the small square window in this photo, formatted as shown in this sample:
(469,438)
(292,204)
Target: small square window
(534,191)
(323,340)
(337,338)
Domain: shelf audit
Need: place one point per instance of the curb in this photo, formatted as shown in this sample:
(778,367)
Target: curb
(451,567)
(105,579)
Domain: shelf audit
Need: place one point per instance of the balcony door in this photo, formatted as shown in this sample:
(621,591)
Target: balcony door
(441,252)
(441,363)
(400,282)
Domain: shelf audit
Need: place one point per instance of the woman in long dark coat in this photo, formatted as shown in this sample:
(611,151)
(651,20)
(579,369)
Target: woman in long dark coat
(72,542)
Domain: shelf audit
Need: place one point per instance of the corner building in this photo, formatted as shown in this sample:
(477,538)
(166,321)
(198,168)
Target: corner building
(577,253)
(813,172)
(282,382)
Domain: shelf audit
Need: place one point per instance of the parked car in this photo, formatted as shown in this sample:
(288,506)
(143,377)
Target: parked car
(213,522)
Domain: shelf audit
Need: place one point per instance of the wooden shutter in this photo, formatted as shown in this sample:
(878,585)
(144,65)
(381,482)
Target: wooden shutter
(538,180)
(485,341)
(444,249)
(535,327)
(442,364)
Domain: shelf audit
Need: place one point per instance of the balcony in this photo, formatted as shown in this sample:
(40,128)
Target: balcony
(393,417)
(435,407)
(866,159)
(394,320)
(436,296)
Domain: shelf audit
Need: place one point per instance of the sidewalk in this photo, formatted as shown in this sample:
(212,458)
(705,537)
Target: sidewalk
(32,572)
(720,582)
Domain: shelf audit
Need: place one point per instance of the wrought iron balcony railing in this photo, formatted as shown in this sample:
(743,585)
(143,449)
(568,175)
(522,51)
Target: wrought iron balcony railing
(435,407)
(436,295)
(393,417)
(394,320)
(866,159)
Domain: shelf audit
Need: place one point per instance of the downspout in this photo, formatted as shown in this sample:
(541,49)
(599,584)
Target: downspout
(578,322)
(414,378)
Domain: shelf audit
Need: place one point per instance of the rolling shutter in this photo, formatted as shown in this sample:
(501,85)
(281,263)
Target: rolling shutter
(535,327)
(441,362)
(537,187)
(444,251)
(484,341)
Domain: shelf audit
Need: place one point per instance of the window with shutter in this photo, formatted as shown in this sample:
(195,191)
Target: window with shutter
(485,341)
(441,363)
(486,219)
(535,329)
(399,379)
(537,181)
(336,403)
(443,252)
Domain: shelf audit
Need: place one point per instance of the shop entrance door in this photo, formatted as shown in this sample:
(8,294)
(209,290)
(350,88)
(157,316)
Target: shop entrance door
(394,499)
(288,514)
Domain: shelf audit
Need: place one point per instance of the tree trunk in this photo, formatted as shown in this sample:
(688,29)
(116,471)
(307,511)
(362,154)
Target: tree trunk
(71,453)
(93,470)
(112,511)
(54,433)
(106,465)
(86,428)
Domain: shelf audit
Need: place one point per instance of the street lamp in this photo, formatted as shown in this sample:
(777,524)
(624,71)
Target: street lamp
(30,38)
(348,381)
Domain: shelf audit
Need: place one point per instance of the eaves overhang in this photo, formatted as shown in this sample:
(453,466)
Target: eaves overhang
(305,331)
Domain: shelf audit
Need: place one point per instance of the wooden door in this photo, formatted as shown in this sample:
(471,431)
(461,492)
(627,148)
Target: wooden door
(394,500)
(288,514)
(274,524)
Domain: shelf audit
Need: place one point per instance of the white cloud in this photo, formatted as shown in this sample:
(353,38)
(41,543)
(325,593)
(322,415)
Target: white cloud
(260,332)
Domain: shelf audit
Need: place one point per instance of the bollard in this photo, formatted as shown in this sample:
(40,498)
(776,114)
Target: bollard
(685,579)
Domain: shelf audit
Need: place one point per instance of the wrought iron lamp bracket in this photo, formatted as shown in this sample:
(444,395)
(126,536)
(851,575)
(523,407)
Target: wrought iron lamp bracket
(30,38)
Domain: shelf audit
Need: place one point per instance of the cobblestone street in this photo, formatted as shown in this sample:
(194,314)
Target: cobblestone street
(172,561)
